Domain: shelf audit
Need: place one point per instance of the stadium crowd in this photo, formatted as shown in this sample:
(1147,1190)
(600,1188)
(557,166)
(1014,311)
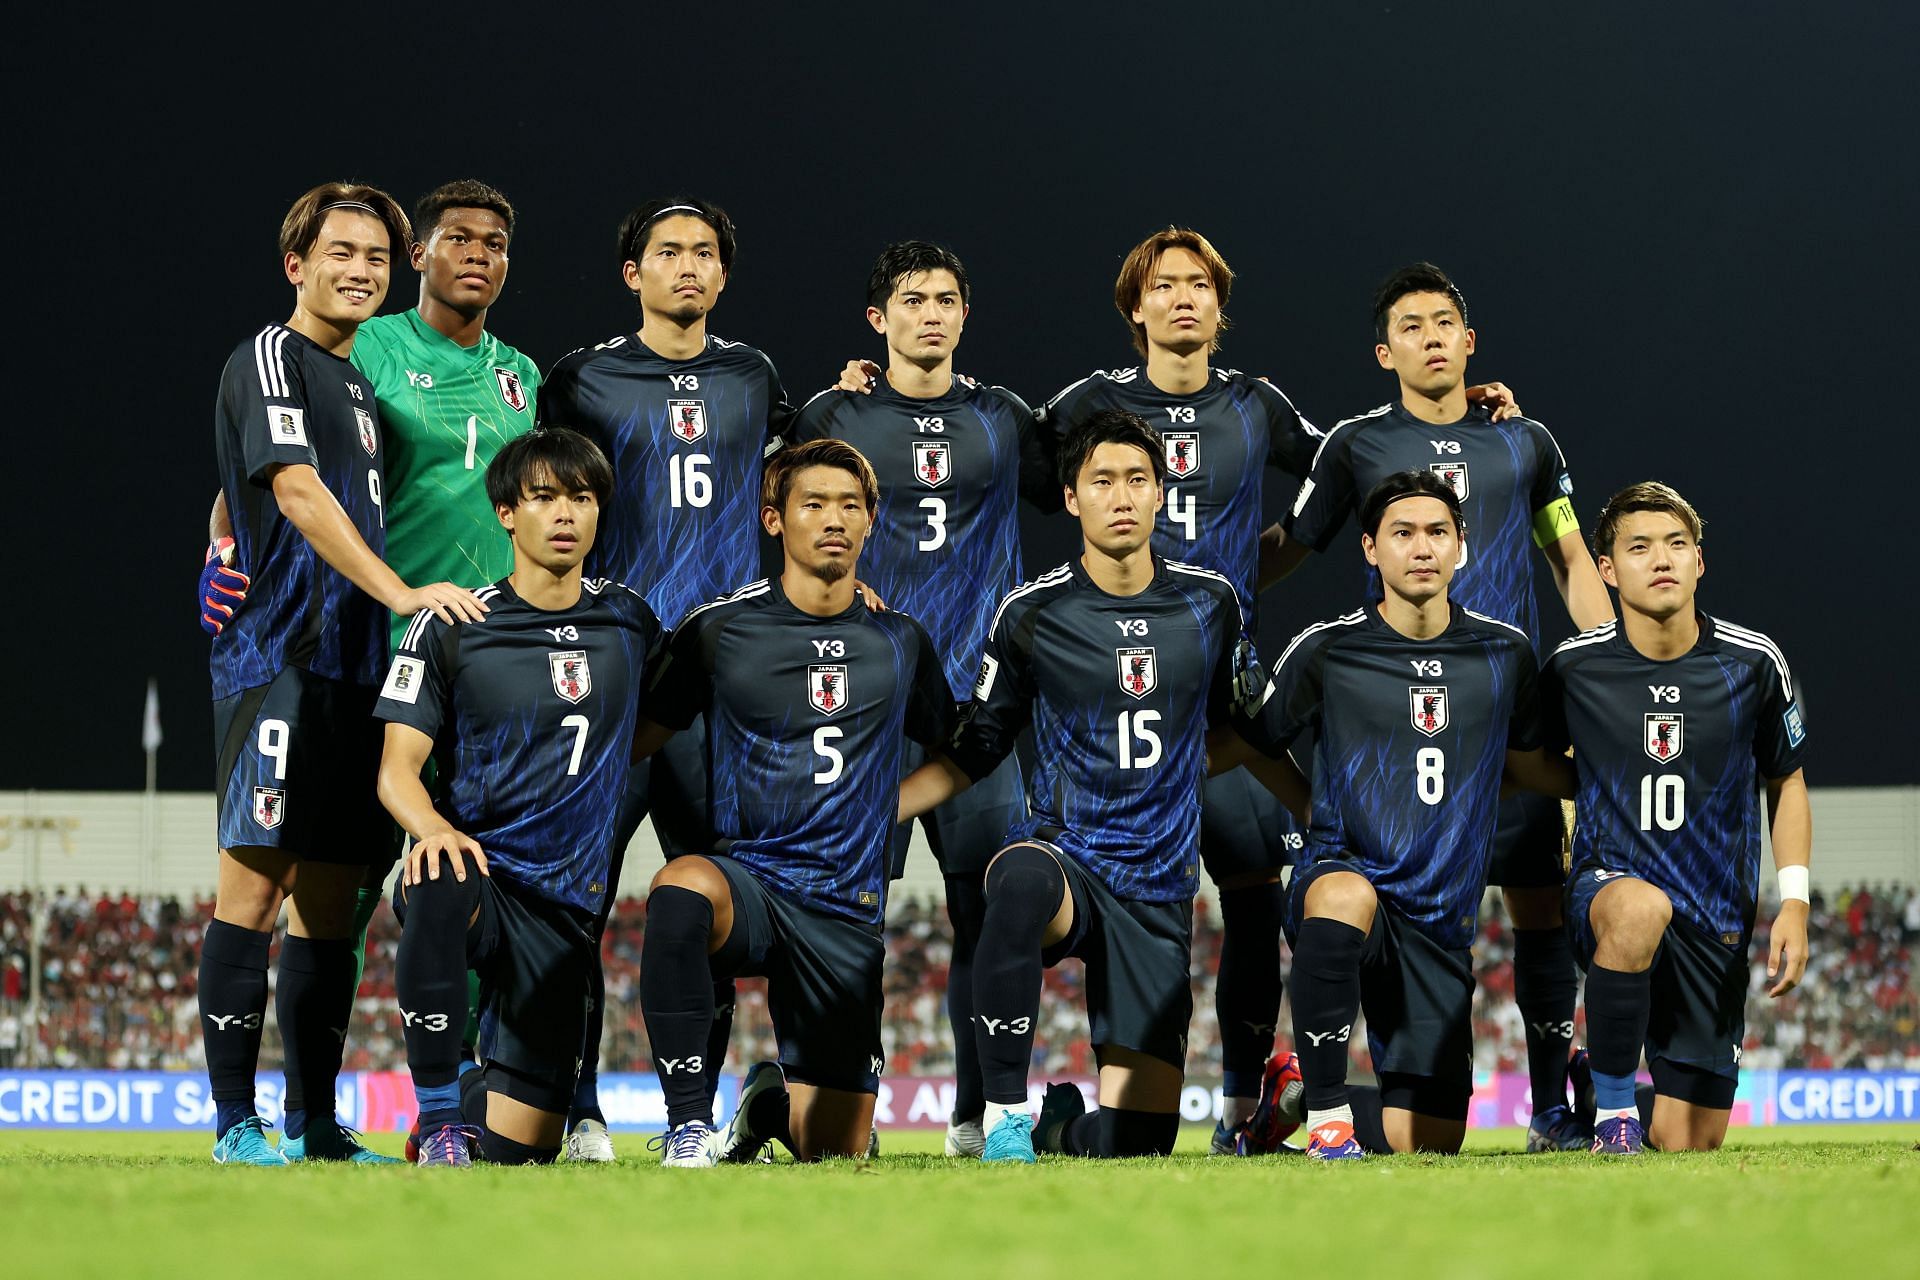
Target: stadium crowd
(118,991)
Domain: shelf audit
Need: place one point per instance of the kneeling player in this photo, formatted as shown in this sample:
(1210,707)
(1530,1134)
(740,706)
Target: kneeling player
(532,711)
(1418,707)
(1671,715)
(1118,660)
(808,697)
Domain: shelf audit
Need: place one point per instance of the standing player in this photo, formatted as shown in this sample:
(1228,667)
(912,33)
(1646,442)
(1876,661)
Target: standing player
(1418,707)
(532,711)
(1118,660)
(1673,717)
(686,419)
(1512,482)
(809,695)
(952,457)
(294,674)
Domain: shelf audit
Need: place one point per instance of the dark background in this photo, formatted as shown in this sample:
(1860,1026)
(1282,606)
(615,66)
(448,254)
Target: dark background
(1685,235)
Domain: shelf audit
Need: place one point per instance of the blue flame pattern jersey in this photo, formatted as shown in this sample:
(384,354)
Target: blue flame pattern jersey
(687,439)
(1670,755)
(532,714)
(1119,691)
(1515,494)
(806,720)
(1219,443)
(286,401)
(1410,742)
(945,544)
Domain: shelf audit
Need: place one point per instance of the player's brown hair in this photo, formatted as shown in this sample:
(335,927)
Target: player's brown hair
(788,463)
(1648,495)
(300,229)
(1137,270)
(464,193)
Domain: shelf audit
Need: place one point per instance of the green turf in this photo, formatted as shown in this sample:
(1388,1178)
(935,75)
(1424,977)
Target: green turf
(1827,1202)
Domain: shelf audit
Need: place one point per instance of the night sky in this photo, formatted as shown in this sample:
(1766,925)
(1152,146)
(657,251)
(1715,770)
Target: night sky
(1685,238)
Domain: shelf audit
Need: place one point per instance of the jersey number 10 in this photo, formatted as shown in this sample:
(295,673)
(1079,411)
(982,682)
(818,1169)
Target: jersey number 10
(1663,802)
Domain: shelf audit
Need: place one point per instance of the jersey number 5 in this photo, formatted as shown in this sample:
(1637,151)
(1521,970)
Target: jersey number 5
(836,763)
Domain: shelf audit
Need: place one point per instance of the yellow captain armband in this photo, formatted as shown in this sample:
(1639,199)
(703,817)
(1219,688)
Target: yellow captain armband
(1554,522)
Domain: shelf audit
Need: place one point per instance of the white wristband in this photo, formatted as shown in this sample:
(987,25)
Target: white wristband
(1793,883)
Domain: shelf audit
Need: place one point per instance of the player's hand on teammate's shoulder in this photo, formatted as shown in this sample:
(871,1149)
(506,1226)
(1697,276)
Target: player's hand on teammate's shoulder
(424,858)
(872,597)
(859,375)
(448,602)
(223,588)
(1498,399)
(1787,948)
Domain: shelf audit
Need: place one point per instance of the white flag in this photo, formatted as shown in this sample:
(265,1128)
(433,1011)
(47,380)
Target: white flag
(150,726)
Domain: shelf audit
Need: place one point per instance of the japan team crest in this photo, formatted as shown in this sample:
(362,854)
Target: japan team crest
(368,440)
(269,806)
(1428,705)
(687,418)
(1455,474)
(1665,735)
(1139,672)
(827,687)
(510,389)
(572,677)
(1183,453)
(932,462)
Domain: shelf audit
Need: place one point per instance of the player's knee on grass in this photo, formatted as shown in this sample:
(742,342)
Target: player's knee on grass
(826,1122)
(1115,1133)
(525,1110)
(1422,1113)
(1691,1107)
(1344,896)
(1629,917)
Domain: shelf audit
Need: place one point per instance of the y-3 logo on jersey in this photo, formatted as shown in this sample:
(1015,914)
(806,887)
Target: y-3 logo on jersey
(1665,735)
(687,419)
(1428,704)
(1183,453)
(932,462)
(1139,671)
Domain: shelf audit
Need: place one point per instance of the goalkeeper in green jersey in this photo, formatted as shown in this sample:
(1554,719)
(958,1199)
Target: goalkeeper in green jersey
(450,395)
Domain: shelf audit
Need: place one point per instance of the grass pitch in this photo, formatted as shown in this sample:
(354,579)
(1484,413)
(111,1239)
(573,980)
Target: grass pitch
(1832,1202)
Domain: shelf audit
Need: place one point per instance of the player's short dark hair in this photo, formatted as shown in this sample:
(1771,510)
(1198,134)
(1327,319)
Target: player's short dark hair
(571,460)
(464,193)
(300,229)
(1137,270)
(783,466)
(1421,277)
(912,258)
(1648,495)
(1408,484)
(1110,426)
(637,225)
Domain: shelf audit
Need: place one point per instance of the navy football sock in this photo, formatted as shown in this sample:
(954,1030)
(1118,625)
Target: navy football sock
(499,1150)
(1112,1133)
(1247,997)
(1617,1005)
(1023,893)
(676,998)
(1546,987)
(313,1003)
(1326,1002)
(720,1033)
(586,1090)
(430,976)
(966,910)
(233,1007)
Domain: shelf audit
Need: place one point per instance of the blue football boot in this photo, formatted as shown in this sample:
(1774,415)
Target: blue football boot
(328,1139)
(246,1143)
(1011,1140)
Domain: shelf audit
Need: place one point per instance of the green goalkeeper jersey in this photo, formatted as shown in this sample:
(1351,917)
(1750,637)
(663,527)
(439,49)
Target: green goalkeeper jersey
(446,410)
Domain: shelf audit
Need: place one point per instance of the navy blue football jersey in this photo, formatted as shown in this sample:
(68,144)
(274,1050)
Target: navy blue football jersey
(286,401)
(687,439)
(1119,691)
(532,714)
(1410,743)
(945,544)
(1511,478)
(1219,443)
(1670,755)
(806,719)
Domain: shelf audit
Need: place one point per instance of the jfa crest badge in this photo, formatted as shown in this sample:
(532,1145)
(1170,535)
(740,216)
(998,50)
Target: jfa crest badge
(1139,672)
(687,418)
(510,389)
(269,806)
(1428,704)
(1183,453)
(572,678)
(1455,474)
(1666,734)
(932,462)
(368,440)
(827,687)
